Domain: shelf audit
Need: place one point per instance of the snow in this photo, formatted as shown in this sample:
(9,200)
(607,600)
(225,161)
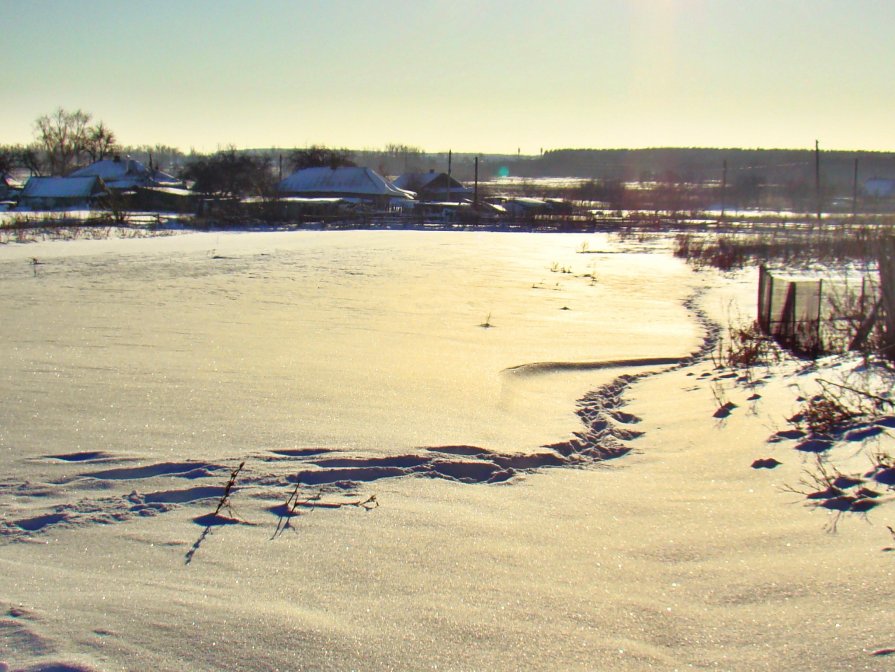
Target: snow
(345,180)
(126,174)
(60,187)
(338,366)
(415,181)
(419,182)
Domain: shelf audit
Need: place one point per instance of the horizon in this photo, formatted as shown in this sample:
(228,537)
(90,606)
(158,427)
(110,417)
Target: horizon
(474,78)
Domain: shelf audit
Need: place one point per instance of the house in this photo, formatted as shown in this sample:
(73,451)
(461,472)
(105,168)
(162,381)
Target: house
(164,199)
(525,208)
(434,186)
(9,187)
(60,193)
(349,182)
(878,187)
(123,174)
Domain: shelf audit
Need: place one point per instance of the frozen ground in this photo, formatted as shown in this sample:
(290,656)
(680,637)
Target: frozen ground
(420,420)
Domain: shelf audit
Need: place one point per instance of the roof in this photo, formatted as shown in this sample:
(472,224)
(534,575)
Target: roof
(127,173)
(430,180)
(8,181)
(173,191)
(112,169)
(62,187)
(344,180)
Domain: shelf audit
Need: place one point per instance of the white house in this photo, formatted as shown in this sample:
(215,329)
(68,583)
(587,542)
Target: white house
(434,186)
(125,173)
(348,182)
(57,193)
(9,187)
(879,187)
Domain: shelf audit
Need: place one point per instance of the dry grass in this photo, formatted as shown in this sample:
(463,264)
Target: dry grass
(731,252)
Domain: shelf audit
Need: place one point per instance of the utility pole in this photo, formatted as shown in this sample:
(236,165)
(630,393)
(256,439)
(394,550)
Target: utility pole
(448,186)
(723,187)
(817,178)
(475,191)
(854,192)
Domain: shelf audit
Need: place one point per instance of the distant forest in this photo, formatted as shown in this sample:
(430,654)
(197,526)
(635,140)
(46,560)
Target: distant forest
(677,179)
(665,165)
(699,165)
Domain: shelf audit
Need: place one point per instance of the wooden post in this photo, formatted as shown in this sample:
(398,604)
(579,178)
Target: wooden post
(817,178)
(820,310)
(723,187)
(475,192)
(770,302)
(448,187)
(887,291)
(787,332)
(762,282)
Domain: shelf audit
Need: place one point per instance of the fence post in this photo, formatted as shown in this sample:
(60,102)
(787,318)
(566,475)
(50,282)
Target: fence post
(820,310)
(761,281)
(787,331)
(887,292)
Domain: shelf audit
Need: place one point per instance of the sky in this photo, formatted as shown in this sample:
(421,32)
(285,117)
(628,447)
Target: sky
(490,76)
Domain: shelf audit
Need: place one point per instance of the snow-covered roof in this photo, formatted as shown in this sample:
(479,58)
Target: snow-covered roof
(420,181)
(162,179)
(172,191)
(111,170)
(62,187)
(527,202)
(414,181)
(126,173)
(8,181)
(344,180)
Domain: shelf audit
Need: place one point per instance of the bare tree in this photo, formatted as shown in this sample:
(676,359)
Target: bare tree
(28,157)
(231,174)
(100,142)
(319,156)
(63,137)
(67,140)
(7,160)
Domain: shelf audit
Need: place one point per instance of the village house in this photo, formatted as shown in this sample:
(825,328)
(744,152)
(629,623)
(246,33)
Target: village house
(62,193)
(879,187)
(137,187)
(10,188)
(123,174)
(434,186)
(345,182)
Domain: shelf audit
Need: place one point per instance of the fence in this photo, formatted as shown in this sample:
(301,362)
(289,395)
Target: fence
(790,311)
(809,315)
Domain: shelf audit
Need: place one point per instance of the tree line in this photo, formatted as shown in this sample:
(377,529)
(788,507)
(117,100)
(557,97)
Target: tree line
(666,179)
(67,140)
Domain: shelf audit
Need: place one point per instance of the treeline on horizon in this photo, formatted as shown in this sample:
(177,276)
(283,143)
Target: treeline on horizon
(67,140)
(675,165)
(651,178)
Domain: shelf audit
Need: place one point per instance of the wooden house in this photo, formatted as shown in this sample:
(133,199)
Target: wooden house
(125,174)
(61,193)
(434,186)
(345,182)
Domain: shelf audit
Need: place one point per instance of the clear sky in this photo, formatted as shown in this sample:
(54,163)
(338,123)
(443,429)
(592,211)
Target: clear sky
(469,75)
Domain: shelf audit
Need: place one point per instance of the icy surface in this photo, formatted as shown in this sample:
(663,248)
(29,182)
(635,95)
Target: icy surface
(391,450)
